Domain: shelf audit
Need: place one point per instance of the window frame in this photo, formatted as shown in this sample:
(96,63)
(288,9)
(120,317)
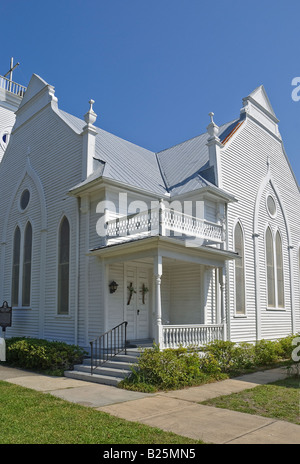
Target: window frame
(240,314)
(15,277)
(22,273)
(58,268)
(27,266)
(273,235)
(278,234)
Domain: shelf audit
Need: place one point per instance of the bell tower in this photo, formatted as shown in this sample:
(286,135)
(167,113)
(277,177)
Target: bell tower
(11,95)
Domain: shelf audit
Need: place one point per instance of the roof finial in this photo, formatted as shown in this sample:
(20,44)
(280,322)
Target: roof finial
(91,102)
(90,117)
(212,128)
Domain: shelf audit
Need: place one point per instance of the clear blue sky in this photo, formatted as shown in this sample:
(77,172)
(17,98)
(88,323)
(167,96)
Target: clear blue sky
(155,68)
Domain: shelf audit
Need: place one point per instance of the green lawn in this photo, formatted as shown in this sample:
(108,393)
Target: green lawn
(30,417)
(279,400)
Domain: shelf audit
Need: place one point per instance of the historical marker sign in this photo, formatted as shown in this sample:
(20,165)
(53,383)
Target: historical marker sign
(5,316)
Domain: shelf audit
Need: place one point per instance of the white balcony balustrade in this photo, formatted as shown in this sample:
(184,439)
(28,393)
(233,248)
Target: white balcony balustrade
(164,222)
(12,87)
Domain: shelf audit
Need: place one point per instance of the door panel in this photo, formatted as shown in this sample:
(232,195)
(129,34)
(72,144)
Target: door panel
(143,303)
(130,303)
(137,305)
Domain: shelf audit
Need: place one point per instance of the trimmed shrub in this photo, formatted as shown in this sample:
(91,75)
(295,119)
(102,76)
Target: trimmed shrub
(177,368)
(266,352)
(223,352)
(42,355)
(210,365)
(234,357)
(170,369)
(243,356)
(285,346)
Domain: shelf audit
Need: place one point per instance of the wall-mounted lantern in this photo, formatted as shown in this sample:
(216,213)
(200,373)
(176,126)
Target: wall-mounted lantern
(113,286)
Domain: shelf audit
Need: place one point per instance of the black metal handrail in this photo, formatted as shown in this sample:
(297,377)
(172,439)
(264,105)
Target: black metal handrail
(108,345)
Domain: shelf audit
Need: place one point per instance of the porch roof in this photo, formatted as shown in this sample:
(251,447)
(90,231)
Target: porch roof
(166,247)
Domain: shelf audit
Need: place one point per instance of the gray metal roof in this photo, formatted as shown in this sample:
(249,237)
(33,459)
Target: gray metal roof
(124,161)
(174,171)
(186,165)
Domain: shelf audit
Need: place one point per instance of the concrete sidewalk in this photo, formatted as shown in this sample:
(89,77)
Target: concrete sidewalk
(175,411)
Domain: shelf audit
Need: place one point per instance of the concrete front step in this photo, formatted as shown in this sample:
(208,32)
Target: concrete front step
(105,369)
(112,371)
(122,359)
(103,379)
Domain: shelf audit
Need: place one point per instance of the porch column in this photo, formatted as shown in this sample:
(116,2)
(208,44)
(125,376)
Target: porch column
(223,301)
(157,273)
(218,294)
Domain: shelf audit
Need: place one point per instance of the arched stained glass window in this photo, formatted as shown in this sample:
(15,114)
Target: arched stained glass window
(16,268)
(63,267)
(26,287)
(270,268)
(240,303)
(279,269)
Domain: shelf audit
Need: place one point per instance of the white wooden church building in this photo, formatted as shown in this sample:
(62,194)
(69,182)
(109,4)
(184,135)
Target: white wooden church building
(197,242)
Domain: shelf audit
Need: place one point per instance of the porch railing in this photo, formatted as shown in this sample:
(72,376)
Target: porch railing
(165,222)
(186,335)
(12,86)
(108,345)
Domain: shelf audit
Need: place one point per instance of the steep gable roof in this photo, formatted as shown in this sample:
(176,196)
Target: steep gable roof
(35,85)
(260,96)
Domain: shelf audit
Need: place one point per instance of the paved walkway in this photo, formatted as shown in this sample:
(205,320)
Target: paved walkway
(175,411)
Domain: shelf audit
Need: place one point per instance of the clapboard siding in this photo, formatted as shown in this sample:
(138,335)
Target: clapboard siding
(52,147)
(185,298)
(7,120)
(96,277)
(244,167)
(116,300)
(22,318)
(209,296)
(166,294)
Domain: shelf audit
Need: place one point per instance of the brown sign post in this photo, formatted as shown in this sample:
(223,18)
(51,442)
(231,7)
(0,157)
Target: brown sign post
(5,316)
(5,321)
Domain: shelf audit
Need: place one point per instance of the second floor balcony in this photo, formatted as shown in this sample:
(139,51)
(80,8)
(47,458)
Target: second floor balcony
(164,222)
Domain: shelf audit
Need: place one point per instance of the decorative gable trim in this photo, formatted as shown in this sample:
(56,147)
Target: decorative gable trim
(35,178)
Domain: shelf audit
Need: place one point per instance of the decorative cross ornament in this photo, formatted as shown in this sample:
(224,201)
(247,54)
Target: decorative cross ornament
(131,292)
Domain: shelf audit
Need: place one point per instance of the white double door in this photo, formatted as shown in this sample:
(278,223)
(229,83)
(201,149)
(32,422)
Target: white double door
(137,295)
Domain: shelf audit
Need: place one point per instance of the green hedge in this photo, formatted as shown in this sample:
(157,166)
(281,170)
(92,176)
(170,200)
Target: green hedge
(42,355)
(176,368)
(171,369)
(236,357)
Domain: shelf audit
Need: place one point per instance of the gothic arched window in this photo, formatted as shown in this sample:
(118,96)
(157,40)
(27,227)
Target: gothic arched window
(63,267)
(16,267)
(240,298)
(270,268)
(279,271)
(26,283)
